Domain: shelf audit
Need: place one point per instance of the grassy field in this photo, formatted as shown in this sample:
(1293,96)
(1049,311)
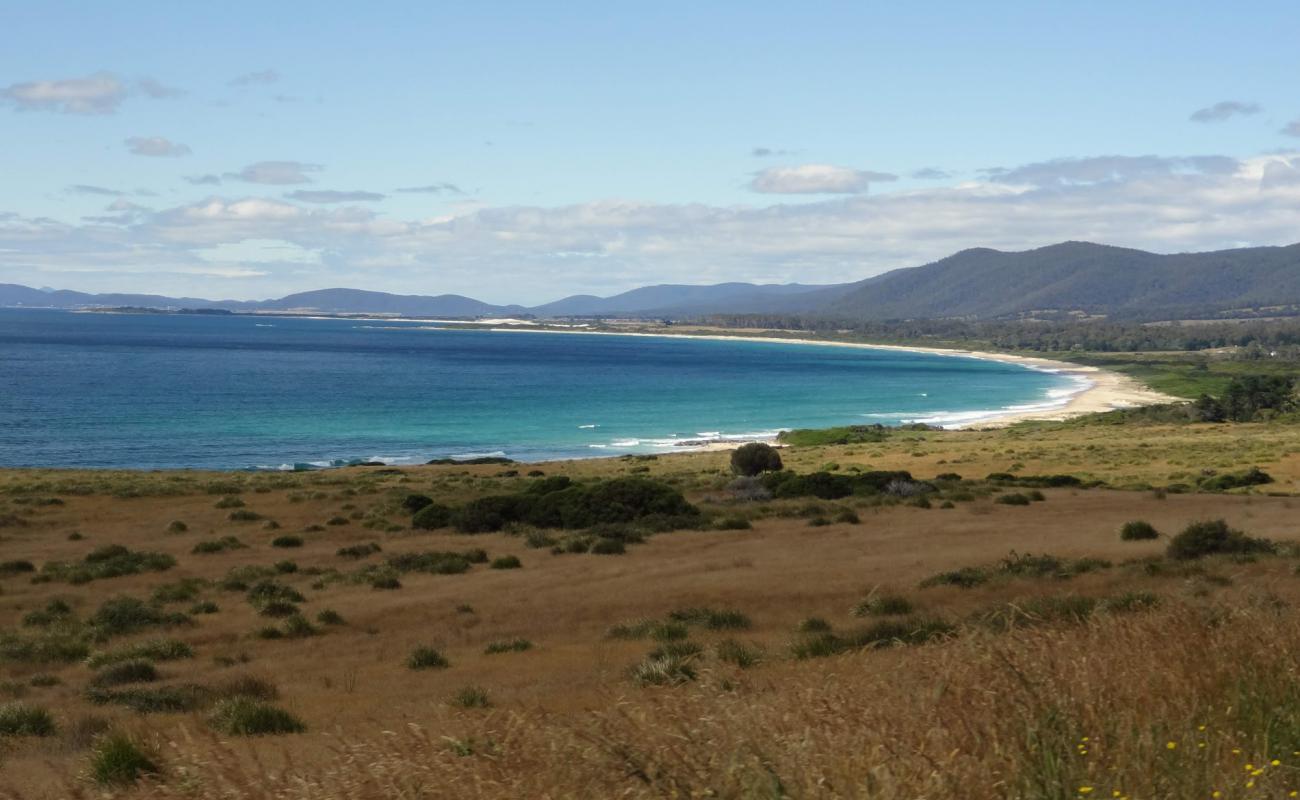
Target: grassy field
(246,640)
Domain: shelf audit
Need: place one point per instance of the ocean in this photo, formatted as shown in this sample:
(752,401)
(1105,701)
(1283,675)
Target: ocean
(241,392)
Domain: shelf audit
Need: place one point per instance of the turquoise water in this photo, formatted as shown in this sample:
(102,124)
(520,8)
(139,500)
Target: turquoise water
(154,391)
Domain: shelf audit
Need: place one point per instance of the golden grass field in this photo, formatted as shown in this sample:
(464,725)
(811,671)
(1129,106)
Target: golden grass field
(1189,692)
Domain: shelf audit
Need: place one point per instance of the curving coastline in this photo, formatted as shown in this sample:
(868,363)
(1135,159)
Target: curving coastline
(1098,389)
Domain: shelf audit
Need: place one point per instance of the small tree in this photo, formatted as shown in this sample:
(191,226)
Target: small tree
(755,458)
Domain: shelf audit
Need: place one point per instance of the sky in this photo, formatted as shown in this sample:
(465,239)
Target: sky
(524,151)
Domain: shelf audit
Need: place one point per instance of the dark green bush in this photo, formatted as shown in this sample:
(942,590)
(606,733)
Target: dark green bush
(608,547)
(1013,499)
(1214,537)
(1222,483)
(217,545)
(755,458)
(135,671)
(116,759)
(1137,530)
(109,561)
(431,517)
(506,562)
(287,541)
(244,716)
(21,719)
(426,658)
(412,503)
(359,550)
(123,615)
(508,646)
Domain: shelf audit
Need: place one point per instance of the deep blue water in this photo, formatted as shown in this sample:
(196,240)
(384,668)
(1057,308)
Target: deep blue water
(99,390)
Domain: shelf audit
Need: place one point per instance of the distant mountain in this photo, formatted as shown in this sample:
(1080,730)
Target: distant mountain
(978,283)
(350,301)
(679,299)
(1078,276)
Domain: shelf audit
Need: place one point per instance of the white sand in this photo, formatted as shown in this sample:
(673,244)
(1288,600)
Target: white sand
(1098,389)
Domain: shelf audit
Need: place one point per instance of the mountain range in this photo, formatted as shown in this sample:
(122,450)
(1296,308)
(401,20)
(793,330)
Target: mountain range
(976,283)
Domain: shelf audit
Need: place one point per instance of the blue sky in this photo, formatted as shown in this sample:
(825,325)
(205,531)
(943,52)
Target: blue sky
(249,150)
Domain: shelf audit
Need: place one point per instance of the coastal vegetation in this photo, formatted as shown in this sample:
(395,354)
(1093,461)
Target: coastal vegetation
(901,596)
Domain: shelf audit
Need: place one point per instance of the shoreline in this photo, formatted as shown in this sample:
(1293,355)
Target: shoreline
(1098,390)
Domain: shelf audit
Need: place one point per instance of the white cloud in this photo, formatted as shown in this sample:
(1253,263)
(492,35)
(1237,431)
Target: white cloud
(100,93)
(276,173)
(156,146)
(816,179)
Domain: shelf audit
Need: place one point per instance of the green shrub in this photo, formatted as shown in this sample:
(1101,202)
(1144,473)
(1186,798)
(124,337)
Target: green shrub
(56,612)
(734,522)
(608,547)
(244,716)
(123,615)
(17,567)
(508,646)
(229,502)
(109,561)
(506,562)
(884,605)
(1214,537)
(359,550)
(1013,499)
(813,625)
(153,650)
(268,591)
(123,672)
(217,545)
(176,526)
(116,759)
(21,719)
(471,697)
(174,699)
(287,541)
(730,651)
(204,607)
(278,608)
(243,515)
(412,503)
(432,516)
(181,591)
(297,627)
(426,658)
(286,567)
(329,616)
(710,618)
(755,458)
(1222,483)
(1137,530)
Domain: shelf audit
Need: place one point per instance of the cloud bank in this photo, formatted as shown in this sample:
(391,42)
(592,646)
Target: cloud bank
(534,254)
(816,179)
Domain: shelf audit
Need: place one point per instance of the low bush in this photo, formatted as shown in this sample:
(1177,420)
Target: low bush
(471,697)
(1138,530)
(426,658)
(124,672)
(287,541)
(507,562)
(173,699)
(733,523)
(329,616)
(359,550)
(21,719)
(608,547)
(109,561)
(243,515)
(1013,499)
(412,503)
(122,615)
(117,759)
(1236,480)
(245,716)
(217,545)
(884,633)
(182,591)
(1214,537)
(711,619)
(508,646)
(16,567)
(153,650)
(884,605)
(432,516)
(730,651)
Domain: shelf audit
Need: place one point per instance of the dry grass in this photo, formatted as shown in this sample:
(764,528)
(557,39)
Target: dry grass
(980,715)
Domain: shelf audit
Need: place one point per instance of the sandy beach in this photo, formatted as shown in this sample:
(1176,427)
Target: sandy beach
(1098,389)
